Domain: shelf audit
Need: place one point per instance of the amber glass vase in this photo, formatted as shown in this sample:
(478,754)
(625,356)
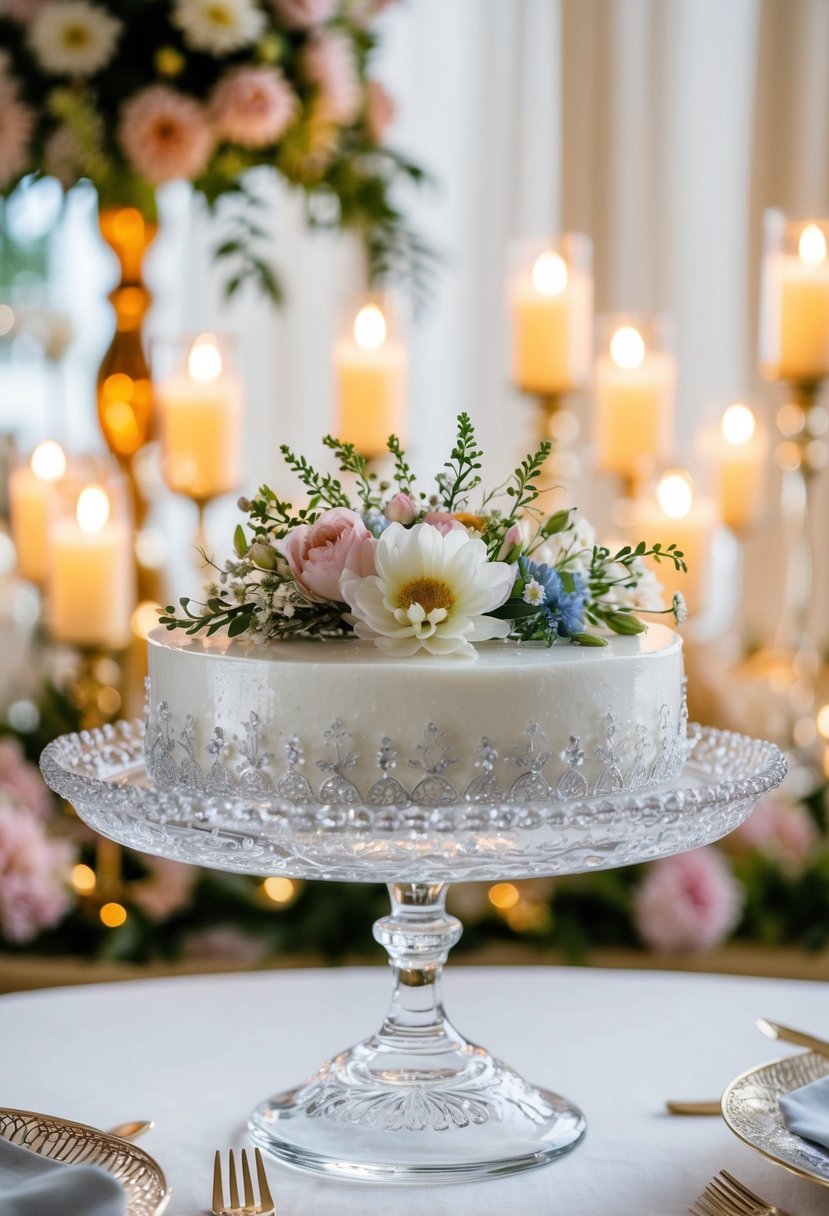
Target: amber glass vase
(124,391)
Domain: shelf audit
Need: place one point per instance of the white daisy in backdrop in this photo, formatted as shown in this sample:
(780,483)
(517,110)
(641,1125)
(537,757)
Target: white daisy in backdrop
(430,593)
(72,37)
(219,26)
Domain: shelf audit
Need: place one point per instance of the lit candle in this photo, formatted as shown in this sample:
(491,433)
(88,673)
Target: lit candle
(552,318)
(740,455)
(30,488)
(635,391)
(794,325)
(200,416)
(370,367)
(91,575)
(677,516)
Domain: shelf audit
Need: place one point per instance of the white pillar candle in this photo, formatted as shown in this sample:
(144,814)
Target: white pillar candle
(30,488)
(91,575)
(740,452)
(635,392)
(370,368)
(677,516)
(794,313)
(200,419)
(551,306)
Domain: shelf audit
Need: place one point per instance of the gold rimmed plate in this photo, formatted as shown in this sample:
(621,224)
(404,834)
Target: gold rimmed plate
(751,1110)
(77,1144)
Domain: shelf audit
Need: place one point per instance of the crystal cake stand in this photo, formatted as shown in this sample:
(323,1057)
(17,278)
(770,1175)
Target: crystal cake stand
(415,1102)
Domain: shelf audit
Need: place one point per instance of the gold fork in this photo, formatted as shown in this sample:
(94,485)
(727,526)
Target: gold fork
(725,1195)
(265,1206)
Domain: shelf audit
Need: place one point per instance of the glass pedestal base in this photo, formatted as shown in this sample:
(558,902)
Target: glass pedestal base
(366,1117)
(416,1102)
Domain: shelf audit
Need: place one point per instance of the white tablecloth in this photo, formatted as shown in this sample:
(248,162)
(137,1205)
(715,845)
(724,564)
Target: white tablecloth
(196,1054)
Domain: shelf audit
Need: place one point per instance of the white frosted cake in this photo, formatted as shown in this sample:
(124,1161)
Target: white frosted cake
(340,722)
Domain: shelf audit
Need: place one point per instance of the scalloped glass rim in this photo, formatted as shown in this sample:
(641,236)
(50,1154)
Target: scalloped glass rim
(102,774)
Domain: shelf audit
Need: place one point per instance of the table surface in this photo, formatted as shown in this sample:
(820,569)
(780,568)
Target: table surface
(195,1054)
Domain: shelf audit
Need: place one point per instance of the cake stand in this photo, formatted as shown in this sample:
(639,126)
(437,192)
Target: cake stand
(415,1102)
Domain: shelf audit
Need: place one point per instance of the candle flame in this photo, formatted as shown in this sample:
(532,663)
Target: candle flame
(48,461)
(92,510)
(812,245)
(549,274)
(627,348)
(738,425)
(205,360)
(370,329)
(675,494)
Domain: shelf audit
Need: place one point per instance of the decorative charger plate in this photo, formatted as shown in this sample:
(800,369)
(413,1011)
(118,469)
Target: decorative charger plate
(77,1144)
(750,1108)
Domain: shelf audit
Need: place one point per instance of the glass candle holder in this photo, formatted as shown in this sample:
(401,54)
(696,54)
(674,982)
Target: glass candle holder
(91,579)
(794,298)
(370,376)
(635,393)
(675,511)
(199,403)
(736,448)
(551,312)
(31,486)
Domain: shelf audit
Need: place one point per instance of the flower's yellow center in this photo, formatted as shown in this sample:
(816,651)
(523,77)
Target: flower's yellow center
(76,36)
(220,14)
(430,593)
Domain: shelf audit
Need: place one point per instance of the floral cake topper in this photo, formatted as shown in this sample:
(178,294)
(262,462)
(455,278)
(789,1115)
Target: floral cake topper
(425,573)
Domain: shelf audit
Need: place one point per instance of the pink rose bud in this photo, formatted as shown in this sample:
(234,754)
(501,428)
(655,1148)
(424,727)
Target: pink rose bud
(512,544)
(400,509)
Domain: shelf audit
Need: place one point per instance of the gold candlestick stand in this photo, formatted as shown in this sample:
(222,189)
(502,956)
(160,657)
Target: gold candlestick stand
(554,421)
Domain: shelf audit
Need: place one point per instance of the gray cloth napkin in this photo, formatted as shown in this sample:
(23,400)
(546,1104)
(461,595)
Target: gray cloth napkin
(31,1185)
(805,1111)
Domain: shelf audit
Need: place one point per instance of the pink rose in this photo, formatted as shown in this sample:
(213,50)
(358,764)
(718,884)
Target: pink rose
(379,110)
(34,874)
(687,903)
(400,509)
(319,554)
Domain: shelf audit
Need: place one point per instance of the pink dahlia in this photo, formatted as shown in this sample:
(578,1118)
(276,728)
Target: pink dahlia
(303,14)
(379,112)
(16,123)
(22,780)
(328,62)
(167,888)
(781,830)
(252,106)
(34,872)
(687,903)
(165,135)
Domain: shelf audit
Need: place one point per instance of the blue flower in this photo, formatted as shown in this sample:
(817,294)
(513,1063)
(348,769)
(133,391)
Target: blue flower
(563,610)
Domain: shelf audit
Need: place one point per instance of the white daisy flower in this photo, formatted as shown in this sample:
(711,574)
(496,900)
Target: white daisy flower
(72,37)
(679,607)
(219,26)
(430,592)
(534,593)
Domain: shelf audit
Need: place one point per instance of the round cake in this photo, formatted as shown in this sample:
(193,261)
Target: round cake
(340,722)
